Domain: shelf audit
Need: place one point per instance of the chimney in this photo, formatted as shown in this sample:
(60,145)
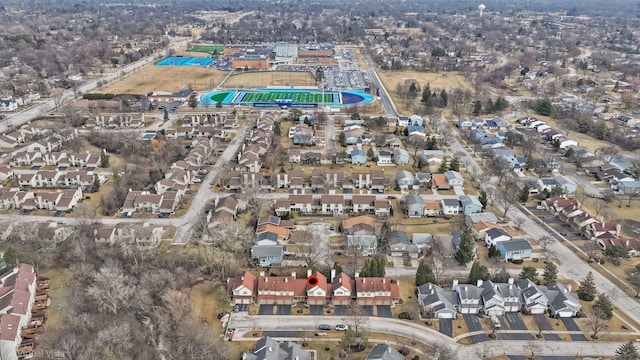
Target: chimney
(569,288)
(383,280)
(510,286)
(479,283)
(511,281)
(286,279)
(266,279)
(261,273)
(455,283)
(308,272)
(618,228)
(364,280)
(270,349)
(333,274)
(293,274)
(357,274)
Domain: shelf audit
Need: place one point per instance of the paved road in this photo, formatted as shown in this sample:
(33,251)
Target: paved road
(571,266)
(329,134)
(244,324)
(185,230)
(389,106)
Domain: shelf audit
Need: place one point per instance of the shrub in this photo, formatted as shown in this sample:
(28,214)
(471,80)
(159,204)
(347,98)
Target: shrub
(517,261)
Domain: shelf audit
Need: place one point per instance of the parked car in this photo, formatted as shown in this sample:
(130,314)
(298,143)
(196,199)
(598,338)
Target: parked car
(495,321)
(341,327)
(324,327)
(236,308)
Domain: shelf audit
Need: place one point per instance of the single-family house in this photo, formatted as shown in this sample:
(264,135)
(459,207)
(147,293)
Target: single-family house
(470,204)
(242,289)
(514,249)
(454,179)
(456,240)
(385,157)
(565,184)
(269,349)
(358,157)
(267,255)
(439,182)
(363,244)
(471,219)
(404,179)
(400,156)
(401,246)
(495,235)
(628,187)
(499,298)
(415,205)
(432,208)
(450,206)
(384,352)
(403,121)
(436,302)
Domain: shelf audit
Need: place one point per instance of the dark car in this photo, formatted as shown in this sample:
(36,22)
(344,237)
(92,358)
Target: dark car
(324,327)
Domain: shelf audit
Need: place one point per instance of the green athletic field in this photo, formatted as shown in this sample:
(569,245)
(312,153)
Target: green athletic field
(207,48)
(296,97)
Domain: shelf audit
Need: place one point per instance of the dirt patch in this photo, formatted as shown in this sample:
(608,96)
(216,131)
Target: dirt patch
(270,78)
(151,78)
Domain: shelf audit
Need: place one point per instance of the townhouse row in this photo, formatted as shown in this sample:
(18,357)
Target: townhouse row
(603,233)
(60,179)
(115,121)
(338,289)
(333,205)
(492,298)
(60,200)
(59,159)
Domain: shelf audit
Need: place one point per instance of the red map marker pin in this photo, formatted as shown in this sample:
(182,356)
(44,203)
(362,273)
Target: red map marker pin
(312,281)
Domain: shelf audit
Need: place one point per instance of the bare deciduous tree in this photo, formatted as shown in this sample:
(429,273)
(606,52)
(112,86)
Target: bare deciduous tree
(597,322)
(112,289)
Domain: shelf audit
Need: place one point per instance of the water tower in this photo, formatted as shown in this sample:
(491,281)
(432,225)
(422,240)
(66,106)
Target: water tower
(481,8)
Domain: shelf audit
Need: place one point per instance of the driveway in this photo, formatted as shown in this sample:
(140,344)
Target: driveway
(367,310)
(509,336)
(515,321)
(384,311)
(571,325)
(341,310)
(265,310)
(445,326)
(543,321)
(316,309)
(283,309)
(473,322)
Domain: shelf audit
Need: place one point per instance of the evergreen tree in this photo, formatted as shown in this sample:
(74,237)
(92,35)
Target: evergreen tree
(338,268)
(524,194)
(426,94)
(587,289)
(444,98)
(454,164)
(465,254)
(443,166)
(528,272)
(10,257)
(95,187)
(104,159)
(478,272)
(627,351)
(193,101)
(483,199)
(276,129)
(501,277)
(371,154)
(550,272)
(477,107)
(604,303)
(494,252)
(489,107)
(424,274)
(166,114)
(380,268)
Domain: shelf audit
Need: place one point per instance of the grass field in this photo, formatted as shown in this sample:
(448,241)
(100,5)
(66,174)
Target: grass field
(268,78)
(159,78)
(297,97)
(207,48)
(447,81)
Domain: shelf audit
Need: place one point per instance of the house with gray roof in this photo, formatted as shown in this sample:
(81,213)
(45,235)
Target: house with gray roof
(399,245)
(415,205)
(514,249)
(456,238)
(454,179)
(436,302)
(450,206)
(499,298)
(267,255)
(365,244)
(469,298)
(495,235)
(470,204)
(562,302)
(384,352)
(487,217)
(404,179)
(534,297)
(269,349)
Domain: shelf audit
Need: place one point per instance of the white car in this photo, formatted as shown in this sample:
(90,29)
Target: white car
(341,327)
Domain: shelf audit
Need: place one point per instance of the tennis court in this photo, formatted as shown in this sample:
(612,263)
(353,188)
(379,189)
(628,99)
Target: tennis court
(185,61)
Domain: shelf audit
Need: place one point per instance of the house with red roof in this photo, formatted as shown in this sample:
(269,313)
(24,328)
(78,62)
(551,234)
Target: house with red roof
(242,289)
(320,292)
(342,289)
(376,291)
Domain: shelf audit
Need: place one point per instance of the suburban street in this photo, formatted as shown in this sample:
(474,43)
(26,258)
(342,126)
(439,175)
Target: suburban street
(244,324)
(571,266)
